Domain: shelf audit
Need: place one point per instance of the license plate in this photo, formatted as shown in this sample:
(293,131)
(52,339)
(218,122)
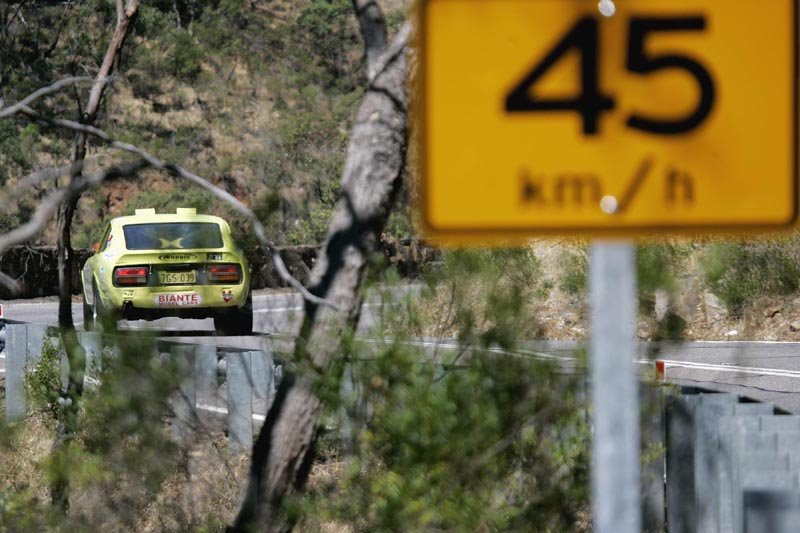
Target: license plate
(177,278)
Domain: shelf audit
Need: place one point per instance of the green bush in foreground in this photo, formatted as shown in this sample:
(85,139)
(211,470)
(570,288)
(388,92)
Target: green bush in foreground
(459,440)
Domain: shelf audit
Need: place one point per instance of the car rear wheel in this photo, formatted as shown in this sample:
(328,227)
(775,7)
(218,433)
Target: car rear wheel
(102,318)
(237,321)
(88,315)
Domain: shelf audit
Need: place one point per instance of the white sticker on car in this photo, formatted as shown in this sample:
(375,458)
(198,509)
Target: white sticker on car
(187,299)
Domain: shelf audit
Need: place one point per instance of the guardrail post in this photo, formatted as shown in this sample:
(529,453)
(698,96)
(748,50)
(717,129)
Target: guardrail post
(36,336)
(707,460)
(349,400)
(262,374)
(681,504)
(92,344)
(184,418)
(774,510)
(653,468)
(240,401)
(64,367)
(205,369)
(16,354)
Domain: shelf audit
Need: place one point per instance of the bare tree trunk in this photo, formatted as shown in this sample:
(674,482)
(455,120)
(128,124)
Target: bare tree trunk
(372,177)
(59,488)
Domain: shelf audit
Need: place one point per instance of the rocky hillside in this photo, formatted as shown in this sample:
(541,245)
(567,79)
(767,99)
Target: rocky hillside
(257,96)
(752,303)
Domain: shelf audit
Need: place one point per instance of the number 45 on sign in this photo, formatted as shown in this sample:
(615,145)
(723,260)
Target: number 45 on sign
(541,116)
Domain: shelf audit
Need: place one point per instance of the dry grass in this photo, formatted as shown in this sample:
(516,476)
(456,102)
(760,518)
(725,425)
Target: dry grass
(202,492)
(207,491)
(561,315)
(20,463)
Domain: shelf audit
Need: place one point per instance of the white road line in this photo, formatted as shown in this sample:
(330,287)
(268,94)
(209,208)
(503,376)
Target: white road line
(750,370)
(667,363)
(699,344)
(451,346)
(300,308)
(278,310)
(222,410)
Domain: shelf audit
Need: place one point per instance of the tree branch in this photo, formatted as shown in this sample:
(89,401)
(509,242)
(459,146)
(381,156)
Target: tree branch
(31,180)
(181,172)
(396,50)
(125,14)
(371,179)
(50,205)
(44,91)
(373,31)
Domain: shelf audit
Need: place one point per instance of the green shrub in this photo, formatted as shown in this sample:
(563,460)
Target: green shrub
(12,156)
(572,275)
(657,267)
(484,442)
(43,378)
(313,228)
(167,201)
(739,272)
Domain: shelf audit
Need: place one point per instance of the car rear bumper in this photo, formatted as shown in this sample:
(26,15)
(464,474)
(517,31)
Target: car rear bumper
(188,301)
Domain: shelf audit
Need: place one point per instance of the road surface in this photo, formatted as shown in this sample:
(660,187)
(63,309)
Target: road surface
(765,371)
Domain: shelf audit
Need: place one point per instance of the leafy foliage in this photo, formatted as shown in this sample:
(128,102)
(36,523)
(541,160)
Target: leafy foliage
(459,439)
(658,265)
(43,378)
(574,270)
(739,272)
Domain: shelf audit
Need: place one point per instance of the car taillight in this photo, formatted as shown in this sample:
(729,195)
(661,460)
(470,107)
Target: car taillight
(130,276)
(224,274)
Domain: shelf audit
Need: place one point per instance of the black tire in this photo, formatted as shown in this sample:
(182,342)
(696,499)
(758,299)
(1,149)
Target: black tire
(102,318)
(88,315)
(237,321)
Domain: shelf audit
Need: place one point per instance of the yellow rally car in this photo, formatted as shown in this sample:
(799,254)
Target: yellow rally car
(149,266)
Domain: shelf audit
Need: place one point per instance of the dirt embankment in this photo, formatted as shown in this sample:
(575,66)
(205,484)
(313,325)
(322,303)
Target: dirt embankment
(693,308)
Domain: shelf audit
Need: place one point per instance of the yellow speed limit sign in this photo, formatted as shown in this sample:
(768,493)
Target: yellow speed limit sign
(543,116)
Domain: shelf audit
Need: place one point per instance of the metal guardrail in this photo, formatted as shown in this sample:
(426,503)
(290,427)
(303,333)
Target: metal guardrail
(235,384)
(730,465)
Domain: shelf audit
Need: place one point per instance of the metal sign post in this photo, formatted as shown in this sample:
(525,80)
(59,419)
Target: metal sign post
(615,446)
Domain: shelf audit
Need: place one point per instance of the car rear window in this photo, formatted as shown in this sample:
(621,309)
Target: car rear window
(172,236)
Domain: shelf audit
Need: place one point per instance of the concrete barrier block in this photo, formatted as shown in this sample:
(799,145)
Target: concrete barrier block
(777,423)
(789,442)
(754,409)
(759,471)
(764,461)
(750,442)
(653,471)
(707,460)
(772,511)
(767,479)
(681,504)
